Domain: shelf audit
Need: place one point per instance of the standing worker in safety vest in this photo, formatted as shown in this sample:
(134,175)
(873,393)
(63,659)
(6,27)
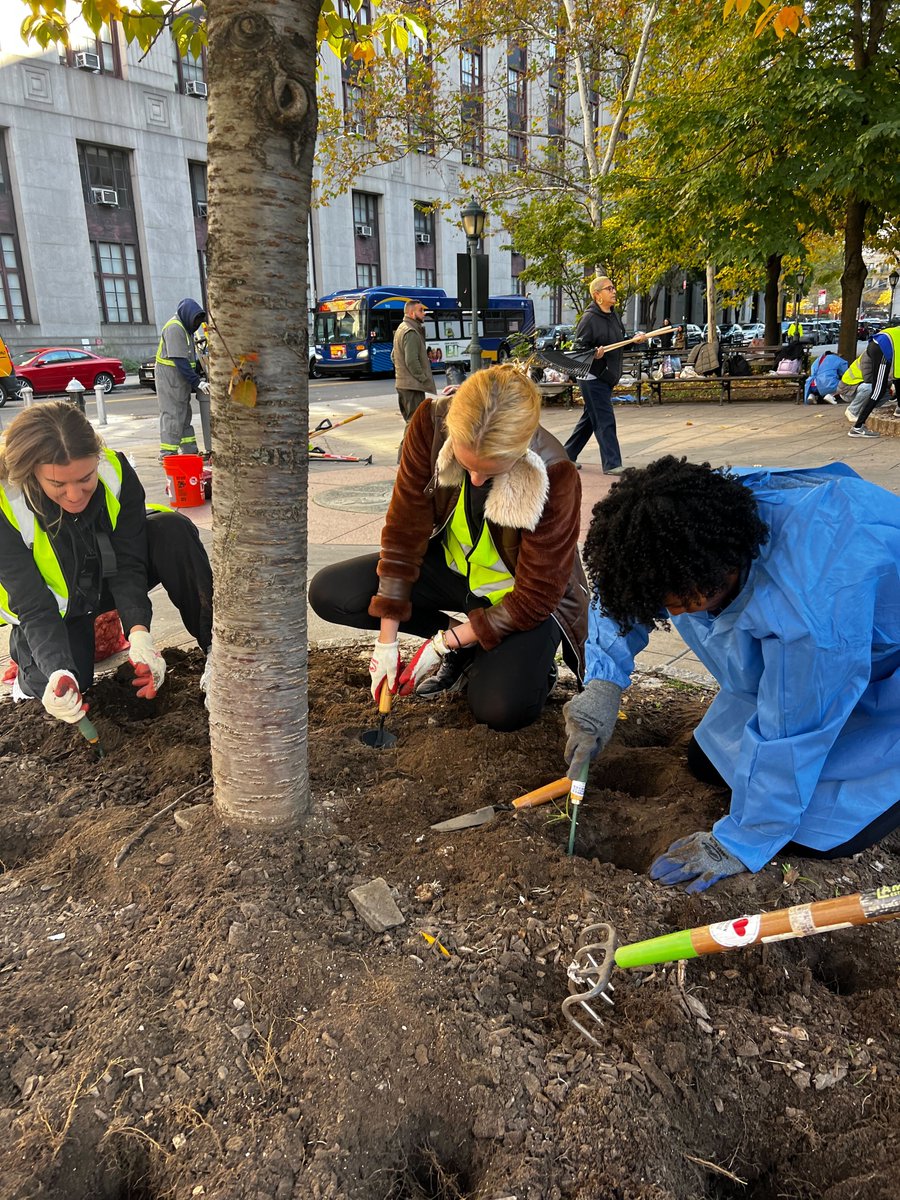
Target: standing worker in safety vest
(484,521)
(9,384)
(76,541)
(177,378)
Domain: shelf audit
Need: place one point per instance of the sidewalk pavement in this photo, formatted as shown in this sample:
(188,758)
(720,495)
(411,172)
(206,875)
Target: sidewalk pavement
(347,502)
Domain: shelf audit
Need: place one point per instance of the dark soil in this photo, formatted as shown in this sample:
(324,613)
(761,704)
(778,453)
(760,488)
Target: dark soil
(213,1019)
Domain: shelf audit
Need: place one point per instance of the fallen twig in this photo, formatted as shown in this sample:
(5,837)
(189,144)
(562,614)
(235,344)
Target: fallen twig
(148,825)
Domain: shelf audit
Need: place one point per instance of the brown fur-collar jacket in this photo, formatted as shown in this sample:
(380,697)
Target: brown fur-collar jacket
(533,513)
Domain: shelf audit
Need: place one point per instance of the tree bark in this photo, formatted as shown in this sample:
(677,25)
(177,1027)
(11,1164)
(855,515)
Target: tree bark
(853,279)
(262,128)
(773,320)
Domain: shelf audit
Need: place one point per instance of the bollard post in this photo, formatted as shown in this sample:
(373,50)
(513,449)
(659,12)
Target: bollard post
(26,394)
(100,398)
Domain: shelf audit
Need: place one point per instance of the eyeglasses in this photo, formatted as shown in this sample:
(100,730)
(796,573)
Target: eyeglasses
(610,287)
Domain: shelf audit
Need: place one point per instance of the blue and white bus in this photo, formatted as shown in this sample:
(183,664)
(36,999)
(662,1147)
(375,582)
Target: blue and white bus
(354,330)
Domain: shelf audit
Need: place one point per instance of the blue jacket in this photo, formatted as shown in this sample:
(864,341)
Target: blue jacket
(825,375)
(806,725)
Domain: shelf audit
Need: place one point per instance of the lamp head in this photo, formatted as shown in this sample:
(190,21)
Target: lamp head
(473,217)
(894,278)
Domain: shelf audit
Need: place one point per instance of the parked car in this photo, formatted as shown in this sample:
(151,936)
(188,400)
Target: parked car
(693,335)
(552,337)
(749,332)
(50,369)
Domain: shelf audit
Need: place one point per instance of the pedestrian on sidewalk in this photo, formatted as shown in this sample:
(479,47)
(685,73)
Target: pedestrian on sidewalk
(76,541)
(9,381)
(483,521)
(785,585)
(870,380)
(600,326)
(412,366)
(177,378)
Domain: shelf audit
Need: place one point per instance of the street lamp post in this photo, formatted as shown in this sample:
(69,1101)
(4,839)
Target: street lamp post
(473,217)
(893,280)
(801,283)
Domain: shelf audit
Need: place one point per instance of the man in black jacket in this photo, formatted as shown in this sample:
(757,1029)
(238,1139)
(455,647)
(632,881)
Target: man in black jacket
(600,327)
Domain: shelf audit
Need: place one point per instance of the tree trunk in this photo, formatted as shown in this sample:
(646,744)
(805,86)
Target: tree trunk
(712,331)
(773,320)
(853,279)
(262,128)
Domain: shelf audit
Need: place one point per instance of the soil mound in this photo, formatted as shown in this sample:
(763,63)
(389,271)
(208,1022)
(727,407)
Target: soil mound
(212,1018)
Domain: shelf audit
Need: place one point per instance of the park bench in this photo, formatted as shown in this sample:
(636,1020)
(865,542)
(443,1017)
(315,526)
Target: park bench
(760,385)
(635,366)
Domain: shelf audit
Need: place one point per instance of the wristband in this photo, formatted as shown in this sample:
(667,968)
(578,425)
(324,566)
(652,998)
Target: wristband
(439,642)
(459,644)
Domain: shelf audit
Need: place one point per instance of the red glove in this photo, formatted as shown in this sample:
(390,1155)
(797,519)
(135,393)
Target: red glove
(425,662)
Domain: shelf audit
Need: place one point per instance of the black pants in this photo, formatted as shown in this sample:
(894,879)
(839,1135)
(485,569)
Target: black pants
(177,560)
(704,770)
(597,417)
(507,686)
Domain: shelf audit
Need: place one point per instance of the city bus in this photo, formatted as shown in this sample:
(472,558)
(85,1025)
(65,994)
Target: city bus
(354,330)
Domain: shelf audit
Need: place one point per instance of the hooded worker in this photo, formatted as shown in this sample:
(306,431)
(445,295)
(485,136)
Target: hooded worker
(785,584)
(177,378)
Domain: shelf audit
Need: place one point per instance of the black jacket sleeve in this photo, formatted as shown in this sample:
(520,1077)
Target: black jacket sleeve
(129,540)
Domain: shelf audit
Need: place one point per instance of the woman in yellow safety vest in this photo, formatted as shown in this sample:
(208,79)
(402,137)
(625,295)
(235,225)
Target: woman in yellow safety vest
(483,521)
(76,541)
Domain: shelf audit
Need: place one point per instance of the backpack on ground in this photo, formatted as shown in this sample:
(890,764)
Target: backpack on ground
(738,365)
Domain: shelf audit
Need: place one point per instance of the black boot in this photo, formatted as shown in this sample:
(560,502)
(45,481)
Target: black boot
(450,675)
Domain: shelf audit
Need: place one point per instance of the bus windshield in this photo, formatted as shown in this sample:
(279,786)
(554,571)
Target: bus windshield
(340,327)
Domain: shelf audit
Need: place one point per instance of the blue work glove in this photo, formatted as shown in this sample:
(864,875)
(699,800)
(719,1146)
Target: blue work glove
(697,857)
(590,722)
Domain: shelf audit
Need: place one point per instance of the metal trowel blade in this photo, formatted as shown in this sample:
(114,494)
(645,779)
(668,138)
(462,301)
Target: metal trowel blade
(469,820)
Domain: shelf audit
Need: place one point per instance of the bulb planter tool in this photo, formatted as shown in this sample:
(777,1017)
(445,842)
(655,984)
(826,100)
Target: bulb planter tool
(598,951)
(380,738)
(86,727)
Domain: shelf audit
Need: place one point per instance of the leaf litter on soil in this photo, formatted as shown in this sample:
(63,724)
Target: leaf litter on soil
(214,1019)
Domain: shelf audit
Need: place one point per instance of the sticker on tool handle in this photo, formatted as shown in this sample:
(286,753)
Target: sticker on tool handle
(742,931)
(577,790)
(885,899)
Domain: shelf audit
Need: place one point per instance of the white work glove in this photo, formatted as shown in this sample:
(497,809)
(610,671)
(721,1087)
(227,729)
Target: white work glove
(426,661)
(62,698)
(590,721)
(149,665)
(203,386)
(384,665)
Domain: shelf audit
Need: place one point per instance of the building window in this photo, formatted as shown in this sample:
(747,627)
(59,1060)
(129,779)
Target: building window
(471,89)
(517,101)
(188,68)
(366,239)
(517,266)
(420,90)
(118,284)
(197,176)
(13,301)
(355,79)
(105,45)
(426,277)
(106,168)
(425,247)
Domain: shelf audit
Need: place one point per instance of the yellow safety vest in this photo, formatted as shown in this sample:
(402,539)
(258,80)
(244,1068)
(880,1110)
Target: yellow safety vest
(853,374)
(6,363)
(169,362)
(486,571)
(15,508)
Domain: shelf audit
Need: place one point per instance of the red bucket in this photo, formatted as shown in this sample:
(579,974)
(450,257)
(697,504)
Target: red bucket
(186,474)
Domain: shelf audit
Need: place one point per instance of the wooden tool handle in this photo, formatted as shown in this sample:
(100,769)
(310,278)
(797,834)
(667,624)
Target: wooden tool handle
(384,699)
(335,425)
(629,341)
(541,795)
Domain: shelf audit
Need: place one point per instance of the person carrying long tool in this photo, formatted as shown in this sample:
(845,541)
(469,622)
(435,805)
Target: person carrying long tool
(786,586)
(484,521)
(76,541)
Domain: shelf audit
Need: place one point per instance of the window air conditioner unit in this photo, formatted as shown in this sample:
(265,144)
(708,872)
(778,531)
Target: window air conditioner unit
(196,87)
(85,61)
(107,196)
(360,130)
(364,231)
(424,239)
(202,209)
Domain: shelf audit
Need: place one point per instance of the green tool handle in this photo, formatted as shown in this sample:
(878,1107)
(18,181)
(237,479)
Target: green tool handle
(576,793)
(88,731)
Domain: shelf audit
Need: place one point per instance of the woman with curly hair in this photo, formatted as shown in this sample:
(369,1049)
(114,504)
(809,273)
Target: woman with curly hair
(786,585)
(483,522)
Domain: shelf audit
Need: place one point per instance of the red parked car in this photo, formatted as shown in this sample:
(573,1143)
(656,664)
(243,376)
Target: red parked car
(49,369)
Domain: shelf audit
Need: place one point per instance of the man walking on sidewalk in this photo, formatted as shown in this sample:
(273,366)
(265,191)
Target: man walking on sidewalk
(598,328)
